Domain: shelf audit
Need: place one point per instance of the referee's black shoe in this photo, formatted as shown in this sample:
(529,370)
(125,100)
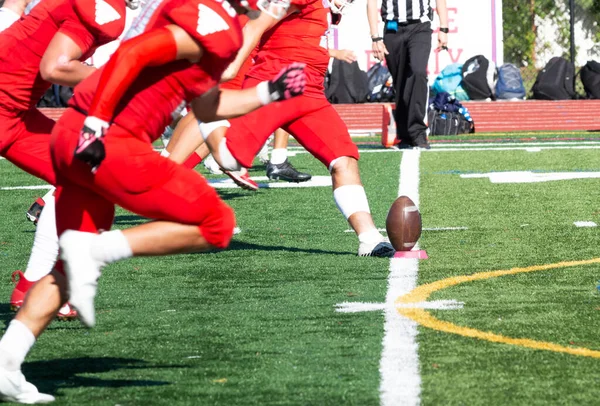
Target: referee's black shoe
(287,172)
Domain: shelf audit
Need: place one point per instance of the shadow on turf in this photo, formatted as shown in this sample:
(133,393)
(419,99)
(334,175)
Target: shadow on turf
(50,376)
(239,245)
(6,315)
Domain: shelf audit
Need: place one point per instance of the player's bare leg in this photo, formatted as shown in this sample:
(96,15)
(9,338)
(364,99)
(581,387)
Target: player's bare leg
(351,200)
(39,309)
(279,168)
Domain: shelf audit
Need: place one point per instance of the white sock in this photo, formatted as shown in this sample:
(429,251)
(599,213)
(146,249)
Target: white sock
(110,246)
(45,243)
(165,153)
(49,196)
(278,156)
(15,345)
(370,237)
(351,199)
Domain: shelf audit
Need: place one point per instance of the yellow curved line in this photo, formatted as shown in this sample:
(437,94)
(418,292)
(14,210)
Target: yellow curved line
(426,319)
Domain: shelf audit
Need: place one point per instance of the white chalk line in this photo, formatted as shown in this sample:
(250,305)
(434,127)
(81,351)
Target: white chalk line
(476,147)
(399,365)
(358,307)
(316,181)
(383,230)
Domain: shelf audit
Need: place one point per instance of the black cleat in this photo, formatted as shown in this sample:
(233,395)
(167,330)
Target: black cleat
(34,212)
(382,249)
(287,172)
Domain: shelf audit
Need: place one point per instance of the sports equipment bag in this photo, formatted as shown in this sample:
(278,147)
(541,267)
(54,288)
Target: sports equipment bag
(510,83)
(380,84)
(590,77)
(556,81)
(478,76)
(347,83)
(449,81)
(448,117)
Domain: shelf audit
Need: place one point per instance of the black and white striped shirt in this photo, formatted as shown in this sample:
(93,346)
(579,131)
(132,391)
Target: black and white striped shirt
(405,10)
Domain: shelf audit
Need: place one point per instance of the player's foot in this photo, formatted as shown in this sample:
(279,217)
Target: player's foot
(381,249)
(287,172)
(66,313)
(82,272)
(212,166)
(242,179)
(15,388)
(34,211)
(22,286)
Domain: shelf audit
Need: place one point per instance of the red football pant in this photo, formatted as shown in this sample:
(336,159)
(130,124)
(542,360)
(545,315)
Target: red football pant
(135,177)
(312,121)
(25,141)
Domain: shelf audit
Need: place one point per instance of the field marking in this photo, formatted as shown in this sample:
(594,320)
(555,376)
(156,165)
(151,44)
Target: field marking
(383,230)
(585,224)
(45,187)
(399,365)
(316,181)
(359,307)
(426,319)
(529,176)
(481,147)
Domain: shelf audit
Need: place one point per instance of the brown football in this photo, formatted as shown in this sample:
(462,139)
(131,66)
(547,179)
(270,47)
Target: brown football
(403,224)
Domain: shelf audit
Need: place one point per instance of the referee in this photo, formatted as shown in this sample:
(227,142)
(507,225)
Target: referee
(406,45)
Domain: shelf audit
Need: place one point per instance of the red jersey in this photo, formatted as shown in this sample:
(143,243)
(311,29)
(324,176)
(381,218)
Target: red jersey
(300,37)
(158,93)
(89,23)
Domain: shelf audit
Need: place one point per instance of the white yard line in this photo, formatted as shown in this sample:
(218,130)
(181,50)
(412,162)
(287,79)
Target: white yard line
(478,147)
(45,187)
(399,366)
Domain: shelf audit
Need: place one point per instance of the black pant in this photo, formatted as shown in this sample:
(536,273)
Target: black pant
(409,50)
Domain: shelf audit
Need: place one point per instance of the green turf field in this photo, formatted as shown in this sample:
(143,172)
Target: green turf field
(257,324)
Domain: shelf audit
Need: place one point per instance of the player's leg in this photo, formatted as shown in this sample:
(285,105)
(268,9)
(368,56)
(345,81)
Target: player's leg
(324,134)
(247,134)
(278,167)
(191,215)
(77,208)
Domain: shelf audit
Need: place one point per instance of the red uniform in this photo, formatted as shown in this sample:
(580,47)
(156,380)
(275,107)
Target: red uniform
(24,131)
(133,175)
(237,82)
(310,118)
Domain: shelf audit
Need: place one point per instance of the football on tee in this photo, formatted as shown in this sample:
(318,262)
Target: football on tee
(403,224)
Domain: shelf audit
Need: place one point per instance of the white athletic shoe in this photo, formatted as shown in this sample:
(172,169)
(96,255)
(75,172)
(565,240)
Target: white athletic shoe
(263,154)
(212,166)
(82,272)
(14,388)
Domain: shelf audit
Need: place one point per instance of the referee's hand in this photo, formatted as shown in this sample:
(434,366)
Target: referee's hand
(442,41)
(379,50)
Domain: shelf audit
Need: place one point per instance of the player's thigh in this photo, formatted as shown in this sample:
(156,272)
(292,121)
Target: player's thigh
(164,190)
(323,134)
(133,175)
(142,181)
(30,148)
